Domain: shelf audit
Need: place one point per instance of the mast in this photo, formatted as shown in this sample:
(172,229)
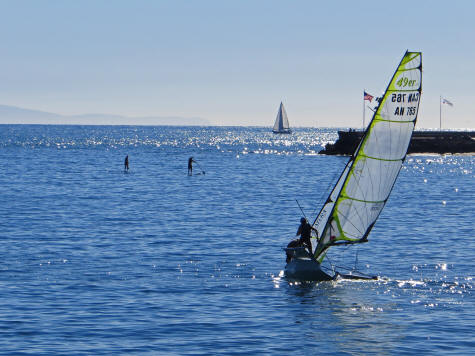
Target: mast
(278,120)
(364,108)
(440,113)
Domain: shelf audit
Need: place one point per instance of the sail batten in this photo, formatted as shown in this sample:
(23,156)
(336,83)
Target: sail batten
(380,159)
(362,190)
(385,120)
(361,200)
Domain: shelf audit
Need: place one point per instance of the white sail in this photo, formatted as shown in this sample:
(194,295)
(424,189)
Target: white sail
(281,124)
(364,186)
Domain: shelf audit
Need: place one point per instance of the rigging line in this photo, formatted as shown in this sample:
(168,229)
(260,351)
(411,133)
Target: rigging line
(327,192)
(356,211)
(341,266)
(301,209)
(343,176)
(357,181)
(347,217)
(348,220)
(344,268)
(331,264)
(327,268)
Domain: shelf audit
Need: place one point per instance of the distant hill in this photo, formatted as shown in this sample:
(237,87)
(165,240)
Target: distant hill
(15,115)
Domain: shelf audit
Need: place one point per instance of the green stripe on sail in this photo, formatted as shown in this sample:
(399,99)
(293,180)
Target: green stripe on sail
(346,197)
(381,159)
(340,230)
(393,121)
(391,90)
(407,58)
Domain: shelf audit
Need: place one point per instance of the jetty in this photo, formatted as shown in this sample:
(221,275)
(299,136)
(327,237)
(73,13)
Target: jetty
(439,142)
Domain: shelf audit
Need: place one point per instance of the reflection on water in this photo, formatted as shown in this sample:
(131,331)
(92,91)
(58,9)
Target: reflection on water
(367,317)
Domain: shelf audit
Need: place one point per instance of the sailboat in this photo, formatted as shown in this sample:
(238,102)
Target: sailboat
(365,184)
(281,125)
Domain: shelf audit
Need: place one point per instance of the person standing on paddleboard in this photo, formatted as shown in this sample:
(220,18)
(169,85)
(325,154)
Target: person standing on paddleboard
(190,166)
(126,163)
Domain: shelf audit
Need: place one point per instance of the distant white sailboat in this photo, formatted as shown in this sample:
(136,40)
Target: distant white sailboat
(281,125)
(363,188)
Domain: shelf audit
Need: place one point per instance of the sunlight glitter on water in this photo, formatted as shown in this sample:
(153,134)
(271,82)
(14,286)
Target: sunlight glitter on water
(259,141)
(411,283)
(177,262)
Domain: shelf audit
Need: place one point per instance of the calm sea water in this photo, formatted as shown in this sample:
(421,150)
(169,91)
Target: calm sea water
(97,261)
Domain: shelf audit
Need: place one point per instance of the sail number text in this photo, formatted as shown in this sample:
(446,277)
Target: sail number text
(406,82)
(401,98)
(411,110)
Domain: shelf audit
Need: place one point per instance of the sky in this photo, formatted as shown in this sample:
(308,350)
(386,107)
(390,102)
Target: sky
(233,62)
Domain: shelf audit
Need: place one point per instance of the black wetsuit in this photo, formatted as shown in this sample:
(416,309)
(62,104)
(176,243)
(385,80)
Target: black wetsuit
(304,231)
(190,165)
(292,244)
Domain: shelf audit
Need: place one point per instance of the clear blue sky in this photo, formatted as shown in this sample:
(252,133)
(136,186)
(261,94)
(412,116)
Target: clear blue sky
(232,62)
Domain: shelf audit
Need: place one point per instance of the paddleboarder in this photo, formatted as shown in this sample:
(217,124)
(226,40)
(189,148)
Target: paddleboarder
(126,163)
(190,166)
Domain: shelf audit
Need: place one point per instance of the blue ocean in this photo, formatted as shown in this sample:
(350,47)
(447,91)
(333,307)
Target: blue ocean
(98,261)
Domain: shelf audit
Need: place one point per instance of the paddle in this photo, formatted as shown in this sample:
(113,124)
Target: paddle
(202,171)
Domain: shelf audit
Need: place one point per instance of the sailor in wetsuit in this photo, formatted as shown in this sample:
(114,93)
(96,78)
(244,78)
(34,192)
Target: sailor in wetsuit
(304,231)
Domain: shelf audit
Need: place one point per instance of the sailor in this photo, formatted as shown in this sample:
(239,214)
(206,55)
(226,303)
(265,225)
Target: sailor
(190,166)
(304,231)
(126,163)
(292,244)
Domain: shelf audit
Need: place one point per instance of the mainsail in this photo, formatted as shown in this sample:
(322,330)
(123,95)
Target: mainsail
(281,124)
(364,186)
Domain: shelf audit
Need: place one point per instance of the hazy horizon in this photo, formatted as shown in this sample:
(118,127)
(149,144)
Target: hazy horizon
(233,63)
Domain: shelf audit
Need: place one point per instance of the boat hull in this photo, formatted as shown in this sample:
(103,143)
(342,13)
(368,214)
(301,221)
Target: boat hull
(305,269)
(282,132)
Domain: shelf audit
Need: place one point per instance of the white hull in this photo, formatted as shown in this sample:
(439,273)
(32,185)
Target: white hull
(288,131)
